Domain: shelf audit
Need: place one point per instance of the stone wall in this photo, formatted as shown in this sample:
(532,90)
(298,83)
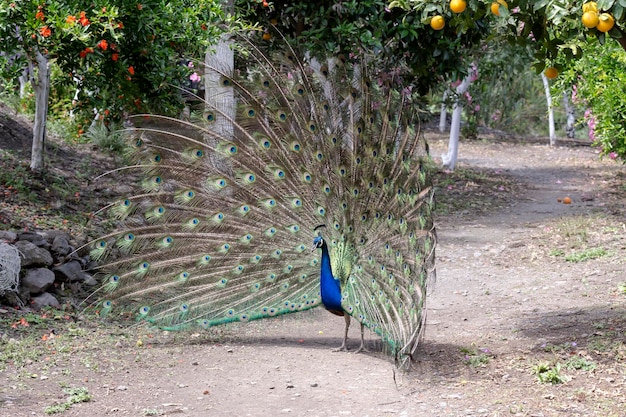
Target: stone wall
(52,272)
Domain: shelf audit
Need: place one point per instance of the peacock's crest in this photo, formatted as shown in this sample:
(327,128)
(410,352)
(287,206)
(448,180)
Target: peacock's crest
(221,228)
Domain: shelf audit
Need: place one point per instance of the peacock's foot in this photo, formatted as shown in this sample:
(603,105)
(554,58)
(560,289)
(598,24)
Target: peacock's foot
(362,348)
(342,348)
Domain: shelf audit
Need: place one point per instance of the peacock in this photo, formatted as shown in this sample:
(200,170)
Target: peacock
(221,229)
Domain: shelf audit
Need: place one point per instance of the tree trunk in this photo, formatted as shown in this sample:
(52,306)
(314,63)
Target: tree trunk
(570,124)
(546,87)
(41,87)
(449,159)
(24,79)
(443,122)
(215,94)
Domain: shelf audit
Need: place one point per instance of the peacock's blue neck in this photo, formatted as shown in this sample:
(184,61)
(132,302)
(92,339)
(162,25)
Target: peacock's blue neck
(330,287)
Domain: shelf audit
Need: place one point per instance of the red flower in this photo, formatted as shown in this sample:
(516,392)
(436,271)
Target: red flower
(83,19)
(71,19)
(45,31)
(40,16)
(120,25)
(131,70)
(103,44)
(203,26)
(85,51)
(115,57)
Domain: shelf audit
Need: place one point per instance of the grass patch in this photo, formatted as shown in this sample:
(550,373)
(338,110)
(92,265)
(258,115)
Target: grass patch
(580,363)
(476,357)
(586,255)
(76,395)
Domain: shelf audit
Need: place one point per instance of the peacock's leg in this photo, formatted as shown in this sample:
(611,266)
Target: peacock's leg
(362,348)
(344,345)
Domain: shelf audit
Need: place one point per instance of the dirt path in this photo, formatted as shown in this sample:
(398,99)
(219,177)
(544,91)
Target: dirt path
(506,300)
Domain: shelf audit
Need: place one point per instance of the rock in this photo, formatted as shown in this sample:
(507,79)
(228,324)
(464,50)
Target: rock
(70,271)
(37,280)
(89,280)
(33,255)
(7,236)
(44,300)
(51,235)
(61,247)
(35,238)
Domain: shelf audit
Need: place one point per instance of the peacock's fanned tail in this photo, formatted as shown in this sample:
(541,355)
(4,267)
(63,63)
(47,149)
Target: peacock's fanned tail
(221,228)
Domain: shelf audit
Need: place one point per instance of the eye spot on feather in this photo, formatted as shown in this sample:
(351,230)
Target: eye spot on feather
(144,310)
(107,304)
(210,117)
(157,158)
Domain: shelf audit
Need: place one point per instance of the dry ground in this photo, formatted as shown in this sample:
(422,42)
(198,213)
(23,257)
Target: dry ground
(527,288)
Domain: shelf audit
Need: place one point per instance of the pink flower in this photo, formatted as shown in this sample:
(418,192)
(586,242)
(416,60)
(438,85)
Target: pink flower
(195,77)
(613,155)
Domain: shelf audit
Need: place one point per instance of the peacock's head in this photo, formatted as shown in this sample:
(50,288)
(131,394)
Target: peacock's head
(318,241)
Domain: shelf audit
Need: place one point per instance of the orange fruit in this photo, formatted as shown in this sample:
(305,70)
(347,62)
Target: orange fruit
(437,22)
(590,19)
(267,36)
(458,6)
(495,6)
(605,22)
(591,6)
(551,73)
(567,200)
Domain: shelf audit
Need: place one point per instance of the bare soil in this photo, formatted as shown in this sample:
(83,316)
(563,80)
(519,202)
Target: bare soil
(527,287)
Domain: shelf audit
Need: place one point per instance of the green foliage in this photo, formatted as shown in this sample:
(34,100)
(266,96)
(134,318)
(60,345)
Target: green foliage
(599,79)
(107,138)
(549,374)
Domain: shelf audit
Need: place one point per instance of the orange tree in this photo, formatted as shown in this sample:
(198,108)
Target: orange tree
(125,55)
(401,45)
(558,31)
